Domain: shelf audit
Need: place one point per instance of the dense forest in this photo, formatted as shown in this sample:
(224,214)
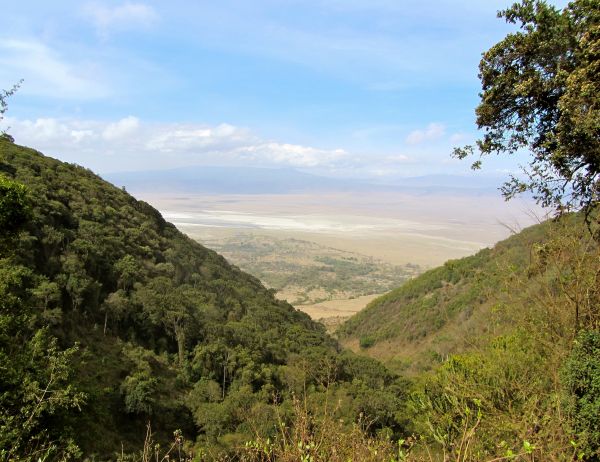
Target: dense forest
(111,318)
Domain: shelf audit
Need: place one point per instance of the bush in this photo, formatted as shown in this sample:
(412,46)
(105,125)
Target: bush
(581,379)
(367,341)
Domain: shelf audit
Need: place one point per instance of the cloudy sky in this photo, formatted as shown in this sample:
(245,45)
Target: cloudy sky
(358,88)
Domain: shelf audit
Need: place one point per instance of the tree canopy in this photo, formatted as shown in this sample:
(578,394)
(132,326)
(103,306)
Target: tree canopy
(123,319)
(14,206)
(541,93)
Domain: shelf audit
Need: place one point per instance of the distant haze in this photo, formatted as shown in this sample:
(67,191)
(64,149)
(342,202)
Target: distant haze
(425,220)
(247,180)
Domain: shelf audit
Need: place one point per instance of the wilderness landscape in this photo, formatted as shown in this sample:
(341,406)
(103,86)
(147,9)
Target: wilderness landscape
(371,242)
(297,249)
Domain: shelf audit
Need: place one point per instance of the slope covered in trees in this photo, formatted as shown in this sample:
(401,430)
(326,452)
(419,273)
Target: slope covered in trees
(111,318)
(502,346)
(417,325)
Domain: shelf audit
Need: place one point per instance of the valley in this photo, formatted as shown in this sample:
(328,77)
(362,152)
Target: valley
(165,330)
(330,254)
(277,232)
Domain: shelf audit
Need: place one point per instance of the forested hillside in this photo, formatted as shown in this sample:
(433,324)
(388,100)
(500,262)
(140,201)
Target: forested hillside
(418,325)
(122,339)
(111,318)
(502,346)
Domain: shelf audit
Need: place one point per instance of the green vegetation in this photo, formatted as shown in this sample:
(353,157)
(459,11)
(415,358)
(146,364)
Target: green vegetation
(541,93)
(110,318)
(34,372)
(305,272)
(502,346)
(581,377)
(440,312)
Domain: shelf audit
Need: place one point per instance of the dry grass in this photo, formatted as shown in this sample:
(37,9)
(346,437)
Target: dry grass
(337,308)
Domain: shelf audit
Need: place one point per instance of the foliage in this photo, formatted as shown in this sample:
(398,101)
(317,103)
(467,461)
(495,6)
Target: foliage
(419,324)
(366,341)
(14,206)
(321,437)
(482,404)
(35,373)
(167,330)
(4,95)
(178,450)
(498,395)
(540,93)
(139,388)
(581,378)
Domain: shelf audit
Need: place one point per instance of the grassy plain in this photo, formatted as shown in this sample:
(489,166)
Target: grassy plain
(307,273)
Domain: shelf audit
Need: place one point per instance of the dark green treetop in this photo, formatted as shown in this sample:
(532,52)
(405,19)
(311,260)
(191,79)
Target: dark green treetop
(14,206)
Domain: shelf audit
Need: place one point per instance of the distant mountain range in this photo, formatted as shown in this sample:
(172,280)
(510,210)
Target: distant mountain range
(244,180)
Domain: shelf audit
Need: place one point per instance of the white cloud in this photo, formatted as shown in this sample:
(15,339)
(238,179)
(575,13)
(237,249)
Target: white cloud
(178,138)
(46,73)
(80,135)
(121,129)
(127,15)
(132,144)
(458,138)
(138,146)
(293,154)
(434,131)
(398,158)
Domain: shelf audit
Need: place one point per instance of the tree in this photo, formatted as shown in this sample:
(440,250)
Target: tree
(541,93)
(4,95)
(169,305)
(115,305)
(15,207)
(127,269)
(35,374)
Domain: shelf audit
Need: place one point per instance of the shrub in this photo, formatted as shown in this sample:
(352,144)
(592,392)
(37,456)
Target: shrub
(581,379)
(367,341)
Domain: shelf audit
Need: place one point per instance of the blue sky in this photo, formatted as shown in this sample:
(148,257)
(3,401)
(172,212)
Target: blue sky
(351,88)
